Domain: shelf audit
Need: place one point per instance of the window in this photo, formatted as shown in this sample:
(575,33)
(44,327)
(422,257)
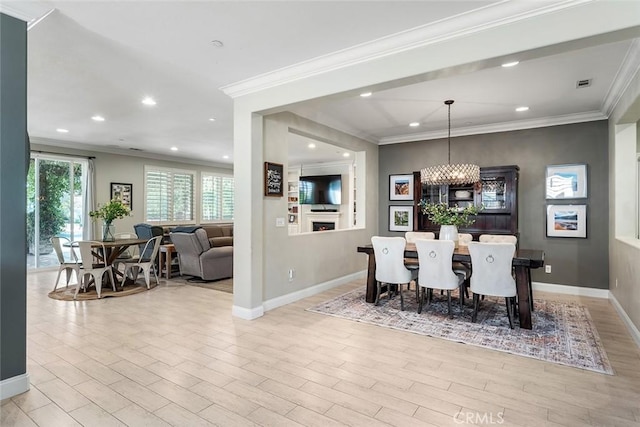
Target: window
(169,195)
(217,198)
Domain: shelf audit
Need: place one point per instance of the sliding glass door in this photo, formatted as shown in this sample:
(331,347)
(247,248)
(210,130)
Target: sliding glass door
(54,205)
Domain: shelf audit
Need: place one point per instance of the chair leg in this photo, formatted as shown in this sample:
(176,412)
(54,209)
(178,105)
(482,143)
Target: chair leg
(378,290)
(509,303)
(401,297)
(462,289)
(98,285)
(476,303)
(421,300)
(147,276)
(449,303)
(55,285)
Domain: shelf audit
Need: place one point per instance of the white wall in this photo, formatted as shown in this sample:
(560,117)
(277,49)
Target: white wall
(315,257)
(126,169)
(624,247)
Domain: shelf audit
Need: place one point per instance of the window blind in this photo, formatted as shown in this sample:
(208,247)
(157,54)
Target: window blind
(169,195)
(217,197)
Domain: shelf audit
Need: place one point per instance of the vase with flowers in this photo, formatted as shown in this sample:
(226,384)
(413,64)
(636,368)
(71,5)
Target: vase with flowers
(109,212)
(449,218)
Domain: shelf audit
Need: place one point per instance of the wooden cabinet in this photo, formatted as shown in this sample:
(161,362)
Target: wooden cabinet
(497,191)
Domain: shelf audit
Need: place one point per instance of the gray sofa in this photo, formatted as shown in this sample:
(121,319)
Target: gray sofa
(198,258)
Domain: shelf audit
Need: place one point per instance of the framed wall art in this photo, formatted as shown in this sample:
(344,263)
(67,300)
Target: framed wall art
(566,181)
(401,187)
(122,192)
(567,221)
(273,179)
(400,218)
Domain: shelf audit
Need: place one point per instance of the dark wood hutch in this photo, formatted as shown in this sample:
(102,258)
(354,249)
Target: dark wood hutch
(497,191)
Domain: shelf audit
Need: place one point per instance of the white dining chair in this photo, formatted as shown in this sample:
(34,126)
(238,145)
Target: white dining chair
(90,271)
(146,265)
(68,262)
(463,267)
(390,268)
(436,271)
(492,274)
(498,238)
(412,236)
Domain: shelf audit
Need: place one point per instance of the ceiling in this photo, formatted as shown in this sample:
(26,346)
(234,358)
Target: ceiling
(102,58)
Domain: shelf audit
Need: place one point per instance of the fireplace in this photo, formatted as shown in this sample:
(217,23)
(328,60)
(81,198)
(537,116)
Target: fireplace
(323,226)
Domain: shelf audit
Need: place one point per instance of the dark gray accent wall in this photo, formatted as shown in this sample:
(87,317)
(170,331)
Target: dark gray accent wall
(576,262)
(13,197)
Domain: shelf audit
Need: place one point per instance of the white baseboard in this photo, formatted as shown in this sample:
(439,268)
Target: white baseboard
(313,290)
(633,330)
(570,290)
(247,313)
(14,386)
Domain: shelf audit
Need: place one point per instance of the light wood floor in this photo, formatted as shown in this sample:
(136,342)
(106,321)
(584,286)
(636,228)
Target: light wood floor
(176,356)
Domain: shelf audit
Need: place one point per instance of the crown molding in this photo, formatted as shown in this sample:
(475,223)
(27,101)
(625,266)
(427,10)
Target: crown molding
(497,127)
(124,152)
(628,69)
(26,11)
(462,25)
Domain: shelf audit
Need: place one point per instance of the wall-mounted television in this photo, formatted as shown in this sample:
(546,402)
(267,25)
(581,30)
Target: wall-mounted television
(320,190)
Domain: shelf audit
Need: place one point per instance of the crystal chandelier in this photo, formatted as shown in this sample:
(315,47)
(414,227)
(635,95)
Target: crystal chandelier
(456,174)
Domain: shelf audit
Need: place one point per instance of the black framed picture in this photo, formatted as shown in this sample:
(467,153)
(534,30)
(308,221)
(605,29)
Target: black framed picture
(122,192)
(273,179)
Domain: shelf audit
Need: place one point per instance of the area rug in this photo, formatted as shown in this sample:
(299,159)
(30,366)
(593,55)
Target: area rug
(130,288)
(562,333)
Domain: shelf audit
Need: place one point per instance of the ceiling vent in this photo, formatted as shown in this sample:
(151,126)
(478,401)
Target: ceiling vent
(583,83)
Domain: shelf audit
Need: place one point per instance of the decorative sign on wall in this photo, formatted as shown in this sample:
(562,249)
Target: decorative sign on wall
(273,173)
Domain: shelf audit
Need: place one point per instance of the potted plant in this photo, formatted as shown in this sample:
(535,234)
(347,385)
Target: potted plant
(449,218)
(113,210)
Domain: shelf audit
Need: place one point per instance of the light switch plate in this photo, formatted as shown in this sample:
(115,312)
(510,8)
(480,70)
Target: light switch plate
(280,222)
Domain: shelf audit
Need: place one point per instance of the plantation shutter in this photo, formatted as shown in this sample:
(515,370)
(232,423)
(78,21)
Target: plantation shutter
(169,195)
(217,198)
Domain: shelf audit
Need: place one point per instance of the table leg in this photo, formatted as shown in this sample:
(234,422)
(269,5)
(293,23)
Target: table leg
(162,254)
(167,261)
(371,280)
(524,302)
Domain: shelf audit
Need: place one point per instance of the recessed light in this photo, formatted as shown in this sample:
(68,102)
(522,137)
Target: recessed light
(414,124)
(346,155)
(174,148)
(225,157)
(311,145)
(149,101)
(366,94)
(62,130)
(519,109)
(510,64)
(212,119)
(97,118)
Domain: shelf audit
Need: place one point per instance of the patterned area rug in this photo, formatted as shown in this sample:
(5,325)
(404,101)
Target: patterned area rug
(562,333)
(130,288)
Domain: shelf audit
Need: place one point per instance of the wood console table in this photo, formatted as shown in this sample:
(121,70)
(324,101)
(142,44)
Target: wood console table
(523,262)
(166,252)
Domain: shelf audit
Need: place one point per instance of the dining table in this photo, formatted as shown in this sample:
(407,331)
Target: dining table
(114,249)
(523,261)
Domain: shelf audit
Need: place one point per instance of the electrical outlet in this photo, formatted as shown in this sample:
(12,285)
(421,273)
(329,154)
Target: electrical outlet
(291,274)
(547,269)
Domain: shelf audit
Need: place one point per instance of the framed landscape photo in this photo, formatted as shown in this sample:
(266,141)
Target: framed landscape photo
(122,192)
(401,187)
(566,181)
(567,221)
(273,180)
(400,218)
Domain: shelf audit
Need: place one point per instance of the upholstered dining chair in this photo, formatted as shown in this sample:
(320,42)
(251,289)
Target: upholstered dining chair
(412,263)
(492,274)
(390,268)
(498,238)
(68,263)
(91,271)
(436,271)
(146,265)
(463,267)
(412,236)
